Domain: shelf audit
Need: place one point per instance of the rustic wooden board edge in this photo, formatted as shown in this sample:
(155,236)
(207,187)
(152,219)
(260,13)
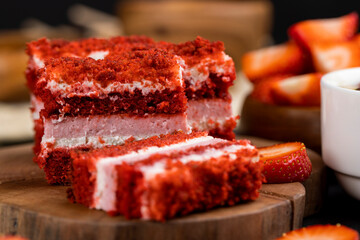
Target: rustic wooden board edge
(274,216)
(315,185)
(269,214)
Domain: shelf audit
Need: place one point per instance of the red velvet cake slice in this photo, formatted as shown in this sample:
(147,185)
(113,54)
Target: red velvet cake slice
(83,103)
(121,87)
(163,177)
(208,74)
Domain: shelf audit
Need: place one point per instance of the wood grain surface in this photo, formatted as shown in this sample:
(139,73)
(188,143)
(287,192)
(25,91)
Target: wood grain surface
(31,208)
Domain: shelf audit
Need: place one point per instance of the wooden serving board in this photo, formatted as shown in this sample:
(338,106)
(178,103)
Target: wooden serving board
(31,208)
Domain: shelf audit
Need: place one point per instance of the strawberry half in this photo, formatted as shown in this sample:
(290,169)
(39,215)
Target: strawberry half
(285,58)
(340,29)
(328,57)
(357,39)
(286,162)
(302,90)
(328,232)
(263,89)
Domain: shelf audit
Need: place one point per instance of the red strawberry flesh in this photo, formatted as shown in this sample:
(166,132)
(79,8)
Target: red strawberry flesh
(286,162)
(333,30)
(319,232)
(281,59)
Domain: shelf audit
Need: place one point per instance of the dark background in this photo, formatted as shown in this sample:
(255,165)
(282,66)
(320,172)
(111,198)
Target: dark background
(286,12)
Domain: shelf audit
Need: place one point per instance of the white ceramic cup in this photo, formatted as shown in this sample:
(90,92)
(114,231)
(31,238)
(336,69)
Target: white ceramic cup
(340,127)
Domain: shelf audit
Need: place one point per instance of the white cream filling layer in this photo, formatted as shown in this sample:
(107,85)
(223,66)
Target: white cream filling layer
(197,79)
(106,181)
(37,105)
(102,130)
(94,141)
(89,88)
(38,62)
(204,124)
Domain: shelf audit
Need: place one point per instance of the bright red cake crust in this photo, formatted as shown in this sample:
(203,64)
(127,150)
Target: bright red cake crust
(185,188)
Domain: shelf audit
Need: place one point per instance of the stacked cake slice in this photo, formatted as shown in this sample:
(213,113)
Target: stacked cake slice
(162,177)
(87,103)
(208,74)
(96,92)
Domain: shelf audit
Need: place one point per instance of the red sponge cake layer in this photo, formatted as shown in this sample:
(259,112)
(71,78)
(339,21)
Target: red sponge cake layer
(139,82)
(167,177)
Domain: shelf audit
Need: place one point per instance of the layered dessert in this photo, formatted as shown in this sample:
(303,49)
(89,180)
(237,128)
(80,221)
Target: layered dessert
(162,177)
(86,103)
(208,74)
(97,92)
(41,50)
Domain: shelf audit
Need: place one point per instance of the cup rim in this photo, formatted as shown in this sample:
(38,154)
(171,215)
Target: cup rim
(331,79)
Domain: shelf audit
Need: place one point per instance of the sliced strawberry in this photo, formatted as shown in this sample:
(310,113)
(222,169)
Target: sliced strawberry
(302,90)
(286,162)
(328,232)
(357,39)
(328,57)
(285,58)
(263,89)
(340,29)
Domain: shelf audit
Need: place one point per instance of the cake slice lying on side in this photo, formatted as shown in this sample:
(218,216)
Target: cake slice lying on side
(87,103)
(163,177)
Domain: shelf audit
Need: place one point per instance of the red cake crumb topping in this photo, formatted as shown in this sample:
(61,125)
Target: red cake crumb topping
(194,51)
(155,66)
(44,48)
(57,165)
(193,186)
(207,184)
(202,54)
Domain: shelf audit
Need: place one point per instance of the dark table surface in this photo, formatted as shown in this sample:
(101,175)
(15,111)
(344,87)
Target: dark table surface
(338,207)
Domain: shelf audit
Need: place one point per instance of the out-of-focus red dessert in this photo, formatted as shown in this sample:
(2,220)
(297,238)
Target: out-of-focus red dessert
(162,177)
(289,74)
(96,92)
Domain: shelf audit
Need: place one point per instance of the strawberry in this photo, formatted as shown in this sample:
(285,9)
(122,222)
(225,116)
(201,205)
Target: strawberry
(357,39)
(286,162)
(302,90)
(340,29)
(328,232)
(263,89)
(285,58)
(328,57)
